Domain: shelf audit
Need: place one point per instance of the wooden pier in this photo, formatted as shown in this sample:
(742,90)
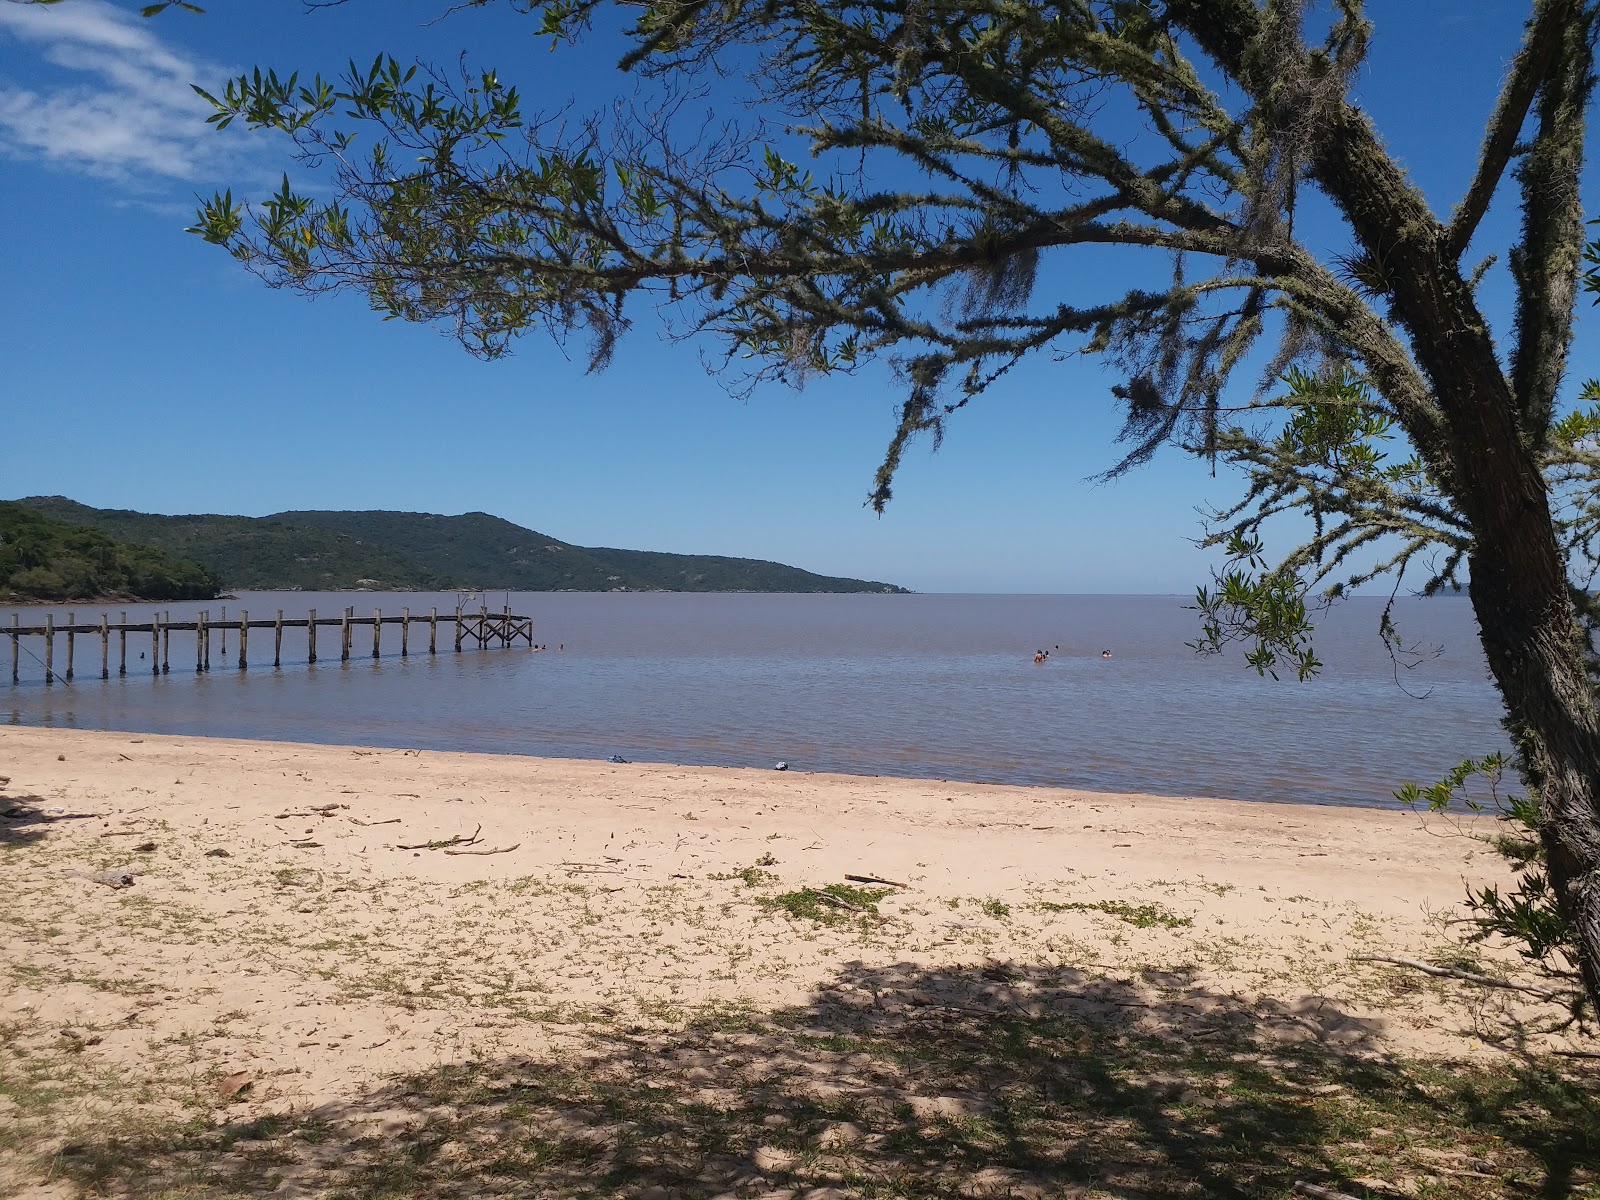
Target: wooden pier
(480,629)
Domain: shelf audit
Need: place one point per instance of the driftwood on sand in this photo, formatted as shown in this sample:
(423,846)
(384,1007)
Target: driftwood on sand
(1456,973)
(446,843)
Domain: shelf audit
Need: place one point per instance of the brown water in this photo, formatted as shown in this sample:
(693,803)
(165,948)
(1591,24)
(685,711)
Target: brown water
(934,685)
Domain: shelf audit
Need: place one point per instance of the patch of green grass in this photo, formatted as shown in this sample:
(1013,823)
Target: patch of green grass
(1144,916)
(752,876)
(297,877)
(996,908)
(831,905)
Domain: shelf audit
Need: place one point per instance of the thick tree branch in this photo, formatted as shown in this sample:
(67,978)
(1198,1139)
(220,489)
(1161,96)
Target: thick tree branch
(1528,70)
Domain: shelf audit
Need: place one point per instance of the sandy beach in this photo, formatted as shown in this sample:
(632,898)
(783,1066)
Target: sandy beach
(307,925)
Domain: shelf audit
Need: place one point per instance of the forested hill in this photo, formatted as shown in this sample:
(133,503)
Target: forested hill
(42,558)
(489,552)
(250,553)
(315,551)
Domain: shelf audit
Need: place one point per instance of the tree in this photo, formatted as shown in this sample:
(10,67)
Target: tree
(966,144)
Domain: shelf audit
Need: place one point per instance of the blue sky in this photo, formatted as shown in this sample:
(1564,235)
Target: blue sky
(144,370)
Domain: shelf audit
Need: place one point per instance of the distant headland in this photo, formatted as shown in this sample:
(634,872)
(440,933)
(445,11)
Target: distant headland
(53,548)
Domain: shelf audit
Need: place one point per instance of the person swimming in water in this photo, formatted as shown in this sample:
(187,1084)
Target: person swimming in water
(1039,656)
(1105,654)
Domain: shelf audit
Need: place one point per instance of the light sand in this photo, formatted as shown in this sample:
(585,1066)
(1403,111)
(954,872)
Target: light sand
(309,953)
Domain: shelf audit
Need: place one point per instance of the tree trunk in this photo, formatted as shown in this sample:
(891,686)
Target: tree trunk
(1531,636)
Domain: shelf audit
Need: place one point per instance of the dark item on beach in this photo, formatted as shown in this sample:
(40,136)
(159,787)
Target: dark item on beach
(875,879)
(616,758)
(780,766)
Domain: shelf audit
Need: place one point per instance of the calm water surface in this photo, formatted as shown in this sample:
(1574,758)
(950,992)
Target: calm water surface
(935,685)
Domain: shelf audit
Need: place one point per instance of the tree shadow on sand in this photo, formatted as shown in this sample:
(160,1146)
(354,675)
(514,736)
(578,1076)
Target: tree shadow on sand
(25,820)
(920,1082)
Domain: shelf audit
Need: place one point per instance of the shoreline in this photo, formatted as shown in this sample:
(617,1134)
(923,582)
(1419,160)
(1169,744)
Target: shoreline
(794,772)
(319,920)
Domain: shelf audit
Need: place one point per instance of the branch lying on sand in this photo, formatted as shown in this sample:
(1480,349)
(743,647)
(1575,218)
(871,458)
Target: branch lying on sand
(390,821)
(875,879)
(316,810)
(1320,1193)
(584,868)
(1454,973)
(494,850)
(458,840)
(836,902)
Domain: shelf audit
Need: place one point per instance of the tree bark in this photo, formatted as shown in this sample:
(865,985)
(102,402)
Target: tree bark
(1531,637)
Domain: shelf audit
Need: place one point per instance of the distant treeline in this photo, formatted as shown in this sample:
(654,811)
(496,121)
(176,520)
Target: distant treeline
(42,558)
(400,551)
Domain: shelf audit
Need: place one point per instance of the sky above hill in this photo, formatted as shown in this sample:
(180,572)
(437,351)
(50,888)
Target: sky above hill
(144,370)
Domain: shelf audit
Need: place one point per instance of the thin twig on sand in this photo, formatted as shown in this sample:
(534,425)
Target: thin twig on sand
(1456,973)
(492,850)
(826,898)
(390,821)
(875,879)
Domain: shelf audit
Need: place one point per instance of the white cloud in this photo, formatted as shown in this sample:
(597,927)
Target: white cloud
(108,96)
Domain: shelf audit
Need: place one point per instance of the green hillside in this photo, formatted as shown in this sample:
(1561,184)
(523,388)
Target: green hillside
(42,558)
(327,551)
(249,553)
(489,552)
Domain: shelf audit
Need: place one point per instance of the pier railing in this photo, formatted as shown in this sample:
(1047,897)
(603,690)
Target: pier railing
(484,629)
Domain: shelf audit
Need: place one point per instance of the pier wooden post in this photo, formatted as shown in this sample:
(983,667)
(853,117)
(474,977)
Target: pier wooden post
(15,648)
(277,641)
(344,636)
(49,648)
(405,632)
(122,646)
(244,638)
(311,635)
(222,630)
(105,646)
(199,643)
(458,629)
(433,631)
(166,642)
(207,623)
(155,643)
(72,638)
(377,629)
